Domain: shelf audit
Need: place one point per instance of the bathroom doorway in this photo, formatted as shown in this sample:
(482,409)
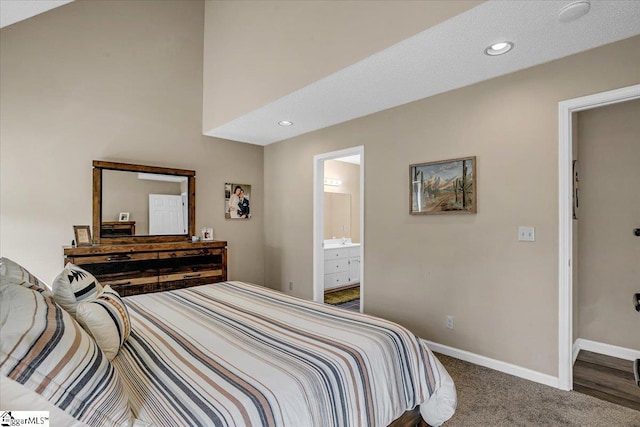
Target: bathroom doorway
(339,228)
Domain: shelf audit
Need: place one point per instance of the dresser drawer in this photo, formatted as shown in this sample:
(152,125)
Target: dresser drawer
(113,258)
(201,264)
(189,276)
(134,287)
(127,282)
(336,266)
(179,281)
(117,228)
(120,267)
(336,253)
(335,280)
(190,253)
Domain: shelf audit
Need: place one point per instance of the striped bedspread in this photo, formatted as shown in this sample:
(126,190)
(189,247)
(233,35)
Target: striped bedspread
(235,354)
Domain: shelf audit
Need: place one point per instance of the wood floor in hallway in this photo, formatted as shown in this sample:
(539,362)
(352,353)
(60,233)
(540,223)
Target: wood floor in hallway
(607,378)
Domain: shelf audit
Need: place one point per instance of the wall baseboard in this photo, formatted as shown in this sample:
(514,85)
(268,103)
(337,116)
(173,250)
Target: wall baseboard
(576,350)
(606,349)
(494,364)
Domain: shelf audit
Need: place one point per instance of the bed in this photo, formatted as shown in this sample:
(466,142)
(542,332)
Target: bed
(237,354)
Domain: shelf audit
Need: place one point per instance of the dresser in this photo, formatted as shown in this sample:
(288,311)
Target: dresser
(117,228)
(341,266)
(137,268)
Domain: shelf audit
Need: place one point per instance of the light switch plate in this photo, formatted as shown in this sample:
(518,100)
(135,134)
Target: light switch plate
(526,234)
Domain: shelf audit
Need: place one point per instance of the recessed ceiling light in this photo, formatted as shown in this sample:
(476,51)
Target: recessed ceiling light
(285,123)
(498,48)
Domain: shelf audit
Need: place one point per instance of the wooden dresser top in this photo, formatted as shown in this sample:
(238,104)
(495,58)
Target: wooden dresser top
(142,247)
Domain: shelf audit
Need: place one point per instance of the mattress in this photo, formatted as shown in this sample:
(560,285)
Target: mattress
(236,354)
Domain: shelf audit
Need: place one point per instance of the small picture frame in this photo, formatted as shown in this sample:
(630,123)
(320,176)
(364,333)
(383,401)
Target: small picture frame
(82,234)
(207,233)
(123,216)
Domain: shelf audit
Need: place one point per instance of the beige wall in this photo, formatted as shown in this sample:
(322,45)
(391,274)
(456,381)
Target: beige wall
(349,174)
(273,48)
(609,152)
(418,269)
(119,81)
(575,256)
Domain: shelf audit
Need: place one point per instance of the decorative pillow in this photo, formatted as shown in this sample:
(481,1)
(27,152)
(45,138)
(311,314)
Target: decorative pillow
(20,398)
(46,351)
(74,285)
(12,272)
(106,318)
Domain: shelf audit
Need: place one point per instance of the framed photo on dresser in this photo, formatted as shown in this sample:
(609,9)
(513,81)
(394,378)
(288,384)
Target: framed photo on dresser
(82,234)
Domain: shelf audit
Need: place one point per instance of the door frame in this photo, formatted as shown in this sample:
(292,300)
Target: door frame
(318,219)
(565,225)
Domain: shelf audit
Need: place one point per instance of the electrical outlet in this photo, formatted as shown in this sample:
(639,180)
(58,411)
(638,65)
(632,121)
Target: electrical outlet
(526,234)
(290,286)
(450,322)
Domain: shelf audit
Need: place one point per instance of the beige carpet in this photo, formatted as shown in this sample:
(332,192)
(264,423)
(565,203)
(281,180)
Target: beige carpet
(491,398)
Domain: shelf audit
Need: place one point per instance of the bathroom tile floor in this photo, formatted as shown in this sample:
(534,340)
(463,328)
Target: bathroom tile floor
(350,305)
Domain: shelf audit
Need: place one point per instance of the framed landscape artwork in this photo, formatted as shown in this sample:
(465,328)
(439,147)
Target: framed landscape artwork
(447,186)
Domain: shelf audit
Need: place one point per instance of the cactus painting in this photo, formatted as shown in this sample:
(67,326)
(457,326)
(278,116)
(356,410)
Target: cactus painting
(447,186)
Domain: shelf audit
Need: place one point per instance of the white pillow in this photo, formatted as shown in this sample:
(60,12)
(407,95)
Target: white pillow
(107,319)
(46,351)
(21,398)
(74,285)
(12,272)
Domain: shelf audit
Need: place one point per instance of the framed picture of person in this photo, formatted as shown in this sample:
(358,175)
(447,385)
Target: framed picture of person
(207,234)
(237,201)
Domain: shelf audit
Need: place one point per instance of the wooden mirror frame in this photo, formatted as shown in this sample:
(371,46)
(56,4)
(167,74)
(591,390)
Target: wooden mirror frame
(99,166)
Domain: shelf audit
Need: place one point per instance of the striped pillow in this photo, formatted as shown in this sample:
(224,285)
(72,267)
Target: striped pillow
(13,272)
(45,350)
(74,285)
(106,318)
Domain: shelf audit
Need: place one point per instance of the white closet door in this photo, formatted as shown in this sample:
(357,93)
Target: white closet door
(166,214)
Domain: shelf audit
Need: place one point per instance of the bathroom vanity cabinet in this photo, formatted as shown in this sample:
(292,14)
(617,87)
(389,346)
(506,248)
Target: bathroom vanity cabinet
(341,265)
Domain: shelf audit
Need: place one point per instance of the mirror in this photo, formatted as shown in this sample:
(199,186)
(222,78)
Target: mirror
(142,204)
(337,215)
(137,203)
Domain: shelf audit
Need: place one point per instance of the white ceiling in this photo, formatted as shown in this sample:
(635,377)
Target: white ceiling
(12,11)
(354,160)
(445,57)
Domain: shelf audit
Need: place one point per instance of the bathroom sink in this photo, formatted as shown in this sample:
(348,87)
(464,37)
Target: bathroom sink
(340,245)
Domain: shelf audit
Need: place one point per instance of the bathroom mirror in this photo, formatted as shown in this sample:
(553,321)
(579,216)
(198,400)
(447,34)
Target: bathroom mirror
(337,215)
(138,203)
